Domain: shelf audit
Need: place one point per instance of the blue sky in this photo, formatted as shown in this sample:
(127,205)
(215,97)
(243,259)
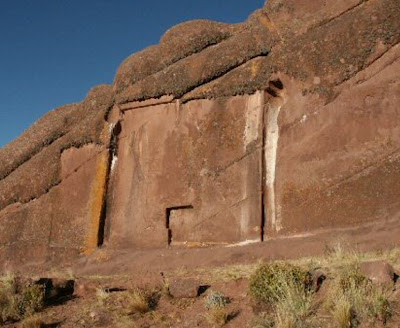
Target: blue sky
(53,51)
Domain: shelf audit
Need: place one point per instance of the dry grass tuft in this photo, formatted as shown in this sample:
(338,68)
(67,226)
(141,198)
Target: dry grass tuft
(9,309)
(31,299)
(216,303)
(263,320)
(283,321)
(33,322)
(271,281)
(102,295)
(353,299)
(286,288)
(8,282)
(380,305)
(139,301)
(14,305)
(217,317)
(342,313)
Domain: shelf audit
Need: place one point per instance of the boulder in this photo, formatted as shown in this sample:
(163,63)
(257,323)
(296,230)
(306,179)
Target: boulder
(318,278)
(379,272)
(184,288)
(85,288)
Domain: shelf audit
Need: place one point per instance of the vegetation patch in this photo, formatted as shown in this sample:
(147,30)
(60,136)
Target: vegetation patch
(286,288)
(216,303)
(261,295)
(217,317)
(353,299)
(102,295)
(216,300)
(33,322)
(142,300)
(269,281)
(18,301)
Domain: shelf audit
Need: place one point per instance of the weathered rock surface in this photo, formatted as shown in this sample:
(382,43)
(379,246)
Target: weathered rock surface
(86,288)
(293,113)
(378,272)
(184,288)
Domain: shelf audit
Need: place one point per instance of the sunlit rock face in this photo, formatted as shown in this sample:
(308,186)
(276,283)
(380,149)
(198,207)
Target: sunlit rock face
(284,125)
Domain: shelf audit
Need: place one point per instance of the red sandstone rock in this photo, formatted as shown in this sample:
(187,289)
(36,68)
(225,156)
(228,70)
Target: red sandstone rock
(184,288)
(85,288)
(378,272)
(179,42)
(318,278)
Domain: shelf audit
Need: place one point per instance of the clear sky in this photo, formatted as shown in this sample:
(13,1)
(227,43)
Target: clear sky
(53,51)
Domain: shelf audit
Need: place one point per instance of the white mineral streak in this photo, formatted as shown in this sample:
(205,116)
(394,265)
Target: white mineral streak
(271,150)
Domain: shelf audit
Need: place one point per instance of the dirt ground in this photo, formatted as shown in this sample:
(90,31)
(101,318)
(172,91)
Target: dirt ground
(111,275)
(379,236)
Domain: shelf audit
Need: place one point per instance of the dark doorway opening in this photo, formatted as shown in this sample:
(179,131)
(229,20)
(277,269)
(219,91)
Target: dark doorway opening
(168,211)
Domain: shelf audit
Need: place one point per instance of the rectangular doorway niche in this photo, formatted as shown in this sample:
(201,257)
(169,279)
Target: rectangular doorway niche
(179,224)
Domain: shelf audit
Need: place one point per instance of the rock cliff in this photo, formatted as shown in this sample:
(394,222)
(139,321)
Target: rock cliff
(322,80)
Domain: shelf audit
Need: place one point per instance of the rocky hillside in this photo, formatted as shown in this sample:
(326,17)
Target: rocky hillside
(340,289)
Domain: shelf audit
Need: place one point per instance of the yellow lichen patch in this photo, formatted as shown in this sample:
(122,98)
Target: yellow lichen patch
(96,202)
(255,67)
(102,256)
(264,19)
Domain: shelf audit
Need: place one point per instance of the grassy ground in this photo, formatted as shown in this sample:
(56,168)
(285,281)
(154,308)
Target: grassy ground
(335,258)
(274,294)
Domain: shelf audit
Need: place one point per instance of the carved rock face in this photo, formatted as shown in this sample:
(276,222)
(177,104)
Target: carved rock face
(322,152)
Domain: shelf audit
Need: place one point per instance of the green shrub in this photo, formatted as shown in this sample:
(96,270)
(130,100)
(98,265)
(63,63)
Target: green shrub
(16,306)
(350,277)
(9,307)
(143,300)
(354,298)
(380,307)
(31,299)
(266,284)
(215,303)
(287,288)
(139,301)
(216,300)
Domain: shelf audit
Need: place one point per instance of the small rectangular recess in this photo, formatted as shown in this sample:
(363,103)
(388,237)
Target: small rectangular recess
(168,216)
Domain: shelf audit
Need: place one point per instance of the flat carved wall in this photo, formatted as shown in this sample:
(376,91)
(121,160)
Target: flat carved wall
(189,174)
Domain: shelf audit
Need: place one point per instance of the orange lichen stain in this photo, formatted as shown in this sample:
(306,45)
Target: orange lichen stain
(264,19)
(102,256)
(268,23)
(255,67)
(96,202)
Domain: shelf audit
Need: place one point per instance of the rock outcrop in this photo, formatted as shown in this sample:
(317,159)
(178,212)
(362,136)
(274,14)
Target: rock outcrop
(285,124)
